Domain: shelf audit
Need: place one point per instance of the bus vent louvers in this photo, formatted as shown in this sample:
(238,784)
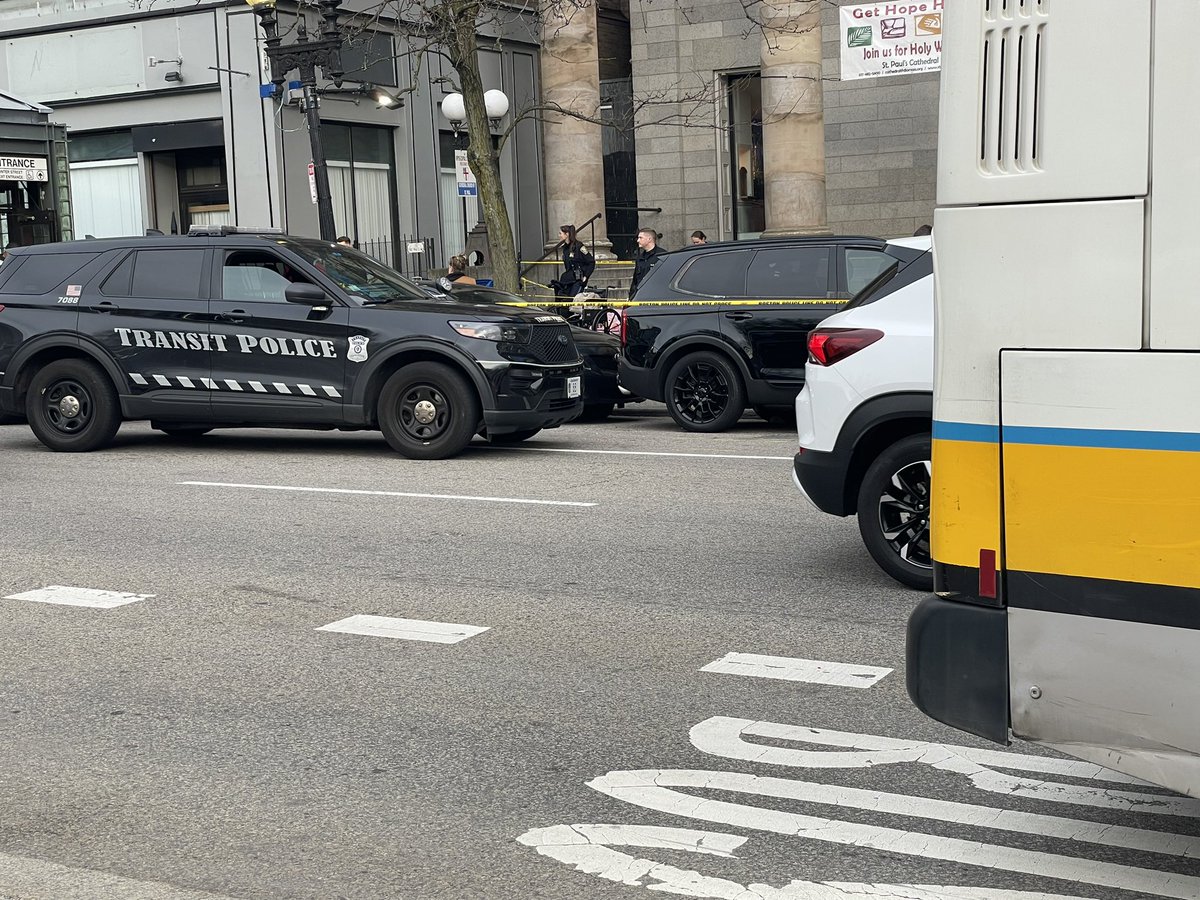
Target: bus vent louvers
(1014,45)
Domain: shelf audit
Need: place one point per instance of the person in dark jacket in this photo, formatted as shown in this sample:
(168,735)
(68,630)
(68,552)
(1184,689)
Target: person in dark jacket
(578,264)
(647,257)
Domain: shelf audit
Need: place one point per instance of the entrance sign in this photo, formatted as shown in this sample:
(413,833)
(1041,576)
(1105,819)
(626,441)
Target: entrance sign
(24,168)
(466,178)
(896,38)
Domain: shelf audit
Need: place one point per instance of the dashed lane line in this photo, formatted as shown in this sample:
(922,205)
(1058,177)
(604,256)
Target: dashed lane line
(786,668)
(637,453)
(405,629)
(77,596)
(323,490)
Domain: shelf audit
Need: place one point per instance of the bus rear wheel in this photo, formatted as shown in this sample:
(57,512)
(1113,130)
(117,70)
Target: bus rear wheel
(893,511)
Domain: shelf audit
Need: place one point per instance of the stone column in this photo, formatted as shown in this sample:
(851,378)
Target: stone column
(573,158)
(793,118)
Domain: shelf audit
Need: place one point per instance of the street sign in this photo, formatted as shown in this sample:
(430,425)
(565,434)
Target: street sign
(466,178)
(23,168)
(312,182)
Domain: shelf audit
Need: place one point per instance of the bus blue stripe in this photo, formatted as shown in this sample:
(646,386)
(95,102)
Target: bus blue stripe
(1183,441)
(965,431)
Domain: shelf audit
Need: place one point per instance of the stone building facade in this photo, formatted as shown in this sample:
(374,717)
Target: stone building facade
(853,157)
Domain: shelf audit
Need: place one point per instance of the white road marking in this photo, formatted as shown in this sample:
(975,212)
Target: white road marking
(651,789)
(722,736)
(405,629)
(34,878)
(185,381)
(320,490)
(586,847)
(163,380)
(306,390)
(258,387)
(138,379)
(233,385)
(282,388)
(634,453)
(785,668)
(76,596)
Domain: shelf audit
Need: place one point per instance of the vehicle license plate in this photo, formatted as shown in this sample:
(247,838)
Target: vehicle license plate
(573,386)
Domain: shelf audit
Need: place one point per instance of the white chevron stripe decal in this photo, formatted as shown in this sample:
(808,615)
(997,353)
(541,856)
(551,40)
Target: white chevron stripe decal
(185,381)
(209,383)
(137,379)
(257,385)
(163,380)
(331,391)
(233,385)
(306,390)
(282,388)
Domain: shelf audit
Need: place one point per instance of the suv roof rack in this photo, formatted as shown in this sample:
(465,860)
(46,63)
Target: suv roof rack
(223,230)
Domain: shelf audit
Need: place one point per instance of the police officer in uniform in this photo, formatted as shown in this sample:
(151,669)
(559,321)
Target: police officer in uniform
(647,257)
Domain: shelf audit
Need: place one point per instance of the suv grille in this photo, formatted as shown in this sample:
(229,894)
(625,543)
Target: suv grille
(546,344)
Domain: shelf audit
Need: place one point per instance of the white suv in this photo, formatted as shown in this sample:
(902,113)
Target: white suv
(865,414)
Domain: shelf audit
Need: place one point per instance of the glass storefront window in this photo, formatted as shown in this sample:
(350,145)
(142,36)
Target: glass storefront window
(746,155)
(362,181)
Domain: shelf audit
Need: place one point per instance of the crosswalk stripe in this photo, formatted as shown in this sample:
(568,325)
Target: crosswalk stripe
(786,668)
(405,629)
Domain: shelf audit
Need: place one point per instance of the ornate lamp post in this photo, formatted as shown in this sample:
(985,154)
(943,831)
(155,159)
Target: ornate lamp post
(306,55)
(454,110)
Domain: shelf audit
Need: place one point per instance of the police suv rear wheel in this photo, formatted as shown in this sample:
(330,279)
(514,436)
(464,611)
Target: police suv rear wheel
(428,411)
(72,406)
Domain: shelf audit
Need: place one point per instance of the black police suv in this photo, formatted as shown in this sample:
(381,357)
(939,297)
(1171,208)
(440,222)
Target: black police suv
(231,328)
(725,326)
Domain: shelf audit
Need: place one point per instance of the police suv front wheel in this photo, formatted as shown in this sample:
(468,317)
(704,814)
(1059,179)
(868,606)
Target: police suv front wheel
(428,411)
(72,406)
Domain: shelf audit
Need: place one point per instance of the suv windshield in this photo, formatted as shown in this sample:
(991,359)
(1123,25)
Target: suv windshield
(356,273)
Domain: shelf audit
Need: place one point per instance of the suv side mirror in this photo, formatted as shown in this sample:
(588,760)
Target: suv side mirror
(308,294)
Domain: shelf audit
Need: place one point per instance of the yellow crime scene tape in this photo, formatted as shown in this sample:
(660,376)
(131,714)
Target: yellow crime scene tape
(618,304)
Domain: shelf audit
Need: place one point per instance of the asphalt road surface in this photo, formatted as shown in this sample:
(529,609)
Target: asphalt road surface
(607,685)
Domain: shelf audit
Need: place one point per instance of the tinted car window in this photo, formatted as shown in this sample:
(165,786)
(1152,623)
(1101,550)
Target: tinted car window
(862,266)
(356,273)
(43,272)
(789,272)
(167,274)
(117,284)
(256,277)
(896,276)
(716,274)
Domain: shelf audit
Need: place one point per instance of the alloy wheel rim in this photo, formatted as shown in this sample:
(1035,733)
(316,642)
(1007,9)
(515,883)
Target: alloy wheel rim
(904,514)
(701,393)
(425,412)
(68,406)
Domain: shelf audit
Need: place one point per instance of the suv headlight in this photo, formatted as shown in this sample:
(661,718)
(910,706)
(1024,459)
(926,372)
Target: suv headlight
(493,331)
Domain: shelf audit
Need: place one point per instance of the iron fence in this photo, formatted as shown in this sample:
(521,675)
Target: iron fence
(414,256)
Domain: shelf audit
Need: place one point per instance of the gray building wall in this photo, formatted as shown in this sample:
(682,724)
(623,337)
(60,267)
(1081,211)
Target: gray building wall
(57,54)
(880,133)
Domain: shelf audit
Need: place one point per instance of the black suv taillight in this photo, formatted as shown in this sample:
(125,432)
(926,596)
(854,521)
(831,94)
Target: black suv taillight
(827,346)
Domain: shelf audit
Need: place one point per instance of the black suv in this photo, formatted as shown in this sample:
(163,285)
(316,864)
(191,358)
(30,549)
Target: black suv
(725,326)
(225,328)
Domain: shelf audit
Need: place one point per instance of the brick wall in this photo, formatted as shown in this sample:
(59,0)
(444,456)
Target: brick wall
(880,133)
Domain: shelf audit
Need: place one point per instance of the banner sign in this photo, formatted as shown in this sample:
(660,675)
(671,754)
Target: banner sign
(466,178)
(24,168)
(882,39)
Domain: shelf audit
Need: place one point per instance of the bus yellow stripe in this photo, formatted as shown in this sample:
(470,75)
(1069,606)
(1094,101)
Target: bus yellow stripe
(1120,514)
(965,506)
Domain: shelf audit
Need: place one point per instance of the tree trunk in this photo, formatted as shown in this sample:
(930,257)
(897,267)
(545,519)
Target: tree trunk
(482,155)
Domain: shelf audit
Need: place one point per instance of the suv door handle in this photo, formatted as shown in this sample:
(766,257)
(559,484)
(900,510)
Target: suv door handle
(106,306)
(739,316)
(234,315)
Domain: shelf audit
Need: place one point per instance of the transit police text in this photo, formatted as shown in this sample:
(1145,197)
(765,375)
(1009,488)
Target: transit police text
(246,343)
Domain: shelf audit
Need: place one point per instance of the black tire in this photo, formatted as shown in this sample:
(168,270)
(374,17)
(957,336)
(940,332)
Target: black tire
(72,407)
(181,432)
(514,437)
(893,511)
(428,410)
(596,412)
(704,393)
(777,415)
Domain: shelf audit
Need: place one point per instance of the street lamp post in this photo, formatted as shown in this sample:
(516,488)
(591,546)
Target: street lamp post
(306,55)
(454,109)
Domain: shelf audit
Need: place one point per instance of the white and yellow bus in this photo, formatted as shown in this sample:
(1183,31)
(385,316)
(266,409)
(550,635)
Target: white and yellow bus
(1066,436)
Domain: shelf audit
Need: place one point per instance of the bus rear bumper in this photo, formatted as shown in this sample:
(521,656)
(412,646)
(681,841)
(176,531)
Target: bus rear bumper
(957,666)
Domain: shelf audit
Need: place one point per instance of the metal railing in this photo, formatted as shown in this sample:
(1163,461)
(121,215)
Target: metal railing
(413,256)
(590,224)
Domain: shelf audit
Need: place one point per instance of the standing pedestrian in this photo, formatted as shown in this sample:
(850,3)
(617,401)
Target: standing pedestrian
(456,271)
(345,241)
(647,258)
(578,263)
(699,237)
